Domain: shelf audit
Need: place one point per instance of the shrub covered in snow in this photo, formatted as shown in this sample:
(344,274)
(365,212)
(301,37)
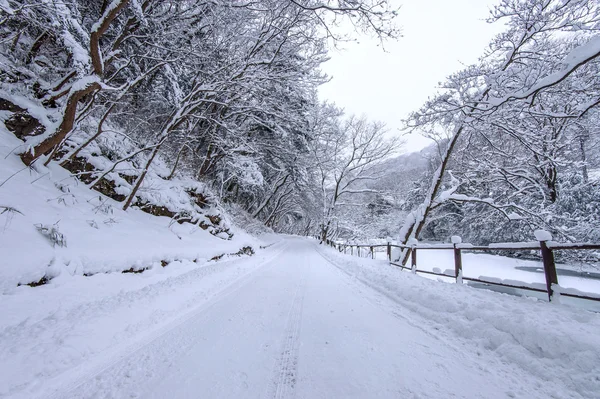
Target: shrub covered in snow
(52,233)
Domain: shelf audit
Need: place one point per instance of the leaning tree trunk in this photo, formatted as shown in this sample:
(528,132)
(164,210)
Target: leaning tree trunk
(140,179)
(416,220)
(83,87)
(65,126)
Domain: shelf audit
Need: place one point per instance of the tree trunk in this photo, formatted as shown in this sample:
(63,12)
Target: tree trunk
(270,197)
(584,168)
(416,220)
(36,47)
(140,179)
(108,15)
(65,126)
(174,168)
(94,137)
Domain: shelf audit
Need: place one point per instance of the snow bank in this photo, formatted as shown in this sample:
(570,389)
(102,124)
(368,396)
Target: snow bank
(99,236)
(528,272)
(553,342)
(53,331)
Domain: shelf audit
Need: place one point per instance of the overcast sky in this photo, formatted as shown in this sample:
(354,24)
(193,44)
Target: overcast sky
(439,36)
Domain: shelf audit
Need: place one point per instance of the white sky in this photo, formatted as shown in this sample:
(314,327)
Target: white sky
(439,37)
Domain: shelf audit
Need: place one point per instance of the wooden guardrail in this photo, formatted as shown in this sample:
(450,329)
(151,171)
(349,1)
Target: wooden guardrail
(545,246)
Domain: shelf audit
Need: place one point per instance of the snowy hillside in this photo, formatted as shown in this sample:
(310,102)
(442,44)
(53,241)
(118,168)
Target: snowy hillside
(53,225)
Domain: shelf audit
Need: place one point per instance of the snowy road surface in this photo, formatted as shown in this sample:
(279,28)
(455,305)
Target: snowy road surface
(297,325)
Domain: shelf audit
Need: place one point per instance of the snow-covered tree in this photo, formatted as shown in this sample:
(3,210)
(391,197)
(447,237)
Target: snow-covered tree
(537,81)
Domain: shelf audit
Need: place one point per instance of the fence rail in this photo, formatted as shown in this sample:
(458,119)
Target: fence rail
(546,248)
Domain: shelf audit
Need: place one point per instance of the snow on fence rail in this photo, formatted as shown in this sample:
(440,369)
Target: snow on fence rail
(544,244)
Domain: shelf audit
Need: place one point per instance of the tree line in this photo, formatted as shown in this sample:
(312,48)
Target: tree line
(224,92)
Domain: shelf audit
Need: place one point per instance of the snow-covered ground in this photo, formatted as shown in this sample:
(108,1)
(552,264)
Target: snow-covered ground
(99,236)
(487,266)
(557,344)
(296,320)
(510,270)
(63,328)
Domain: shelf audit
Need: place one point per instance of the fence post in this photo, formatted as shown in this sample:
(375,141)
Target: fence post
(548,260)
(389,249)
(413,259)
(457,259)
(351,250)
(413,254)
(372,253)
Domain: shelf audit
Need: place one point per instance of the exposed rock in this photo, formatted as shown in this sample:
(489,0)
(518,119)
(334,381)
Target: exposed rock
(20,123)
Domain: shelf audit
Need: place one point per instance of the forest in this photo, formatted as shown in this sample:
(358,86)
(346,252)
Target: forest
(155,103)
(184,213)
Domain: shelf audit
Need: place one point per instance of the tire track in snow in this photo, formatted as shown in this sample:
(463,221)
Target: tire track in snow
(391,304)
(62,385)
(286,367)
(447,337)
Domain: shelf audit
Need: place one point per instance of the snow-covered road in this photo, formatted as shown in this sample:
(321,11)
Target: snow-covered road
(294,324)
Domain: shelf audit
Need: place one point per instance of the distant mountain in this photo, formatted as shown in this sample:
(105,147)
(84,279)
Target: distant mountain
(405,168)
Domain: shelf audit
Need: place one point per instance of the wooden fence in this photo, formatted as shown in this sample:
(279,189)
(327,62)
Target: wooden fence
(546,248)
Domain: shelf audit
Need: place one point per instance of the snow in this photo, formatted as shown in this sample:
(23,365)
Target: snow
(50,331)
(34,109)
(512,271)
(80,54)
(514,216)
(109,9)
(6,7)
(100,237)
(542,235)
(455,240)
(297,320)
(533,338)
(84,82)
